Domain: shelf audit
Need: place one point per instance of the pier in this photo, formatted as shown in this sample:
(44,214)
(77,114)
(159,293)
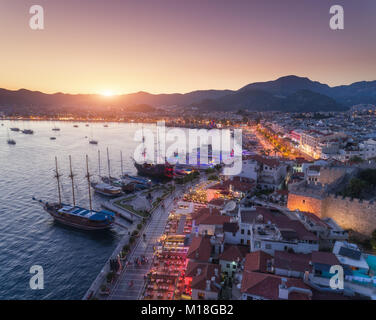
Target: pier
(131,272)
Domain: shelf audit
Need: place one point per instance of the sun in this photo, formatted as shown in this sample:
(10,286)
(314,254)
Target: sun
(107,93)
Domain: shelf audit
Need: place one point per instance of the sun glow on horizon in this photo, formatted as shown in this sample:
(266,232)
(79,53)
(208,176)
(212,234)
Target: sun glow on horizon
(107,93)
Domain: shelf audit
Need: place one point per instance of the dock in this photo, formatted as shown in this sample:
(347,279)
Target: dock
(127,215)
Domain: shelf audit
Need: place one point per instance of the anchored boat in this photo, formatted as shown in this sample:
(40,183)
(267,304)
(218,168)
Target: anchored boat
(75,216)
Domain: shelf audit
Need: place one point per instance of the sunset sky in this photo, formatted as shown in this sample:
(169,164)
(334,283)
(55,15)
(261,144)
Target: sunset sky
(165,46)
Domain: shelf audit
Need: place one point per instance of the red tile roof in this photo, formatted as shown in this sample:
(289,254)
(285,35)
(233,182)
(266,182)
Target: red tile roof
(203,272)
(212,219)
(204,211)
(267,286)
(217,202)
(200,249)
(292,261)
(257,261)
(236,185)
(323,257)
(234,253)
(282,221)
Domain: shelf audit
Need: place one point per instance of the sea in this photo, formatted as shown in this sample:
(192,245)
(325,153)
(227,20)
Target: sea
(70,258)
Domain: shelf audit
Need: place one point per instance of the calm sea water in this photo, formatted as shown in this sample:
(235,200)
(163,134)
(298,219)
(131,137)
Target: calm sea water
(71,259)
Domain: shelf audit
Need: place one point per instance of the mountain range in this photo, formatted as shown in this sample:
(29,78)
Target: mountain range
(289,93)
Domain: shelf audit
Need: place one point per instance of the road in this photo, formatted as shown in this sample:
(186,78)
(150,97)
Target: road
(154,229)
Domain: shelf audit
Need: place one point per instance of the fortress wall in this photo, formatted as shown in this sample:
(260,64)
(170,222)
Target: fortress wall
(331,175)
(305,203)
(351,213)
(347,213)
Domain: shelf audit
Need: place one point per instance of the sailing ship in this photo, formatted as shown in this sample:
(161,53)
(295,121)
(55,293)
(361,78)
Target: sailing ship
(76,216)
(106,189)
(159,171)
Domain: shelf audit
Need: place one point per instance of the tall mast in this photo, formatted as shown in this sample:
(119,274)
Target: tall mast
(121,162)
(88,181)
(108,164)
(57,176)
(99,163)
(72,176)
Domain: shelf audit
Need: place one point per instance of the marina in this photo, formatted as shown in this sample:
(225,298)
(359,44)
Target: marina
(71,258)
(51,239)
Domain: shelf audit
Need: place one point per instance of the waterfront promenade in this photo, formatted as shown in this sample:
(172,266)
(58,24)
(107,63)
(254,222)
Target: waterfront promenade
(134,273)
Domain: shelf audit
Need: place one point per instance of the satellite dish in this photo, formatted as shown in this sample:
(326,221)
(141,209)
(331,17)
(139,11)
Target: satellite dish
(231,205)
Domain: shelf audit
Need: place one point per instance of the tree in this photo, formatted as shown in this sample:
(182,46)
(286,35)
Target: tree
(355,188)
(356,159)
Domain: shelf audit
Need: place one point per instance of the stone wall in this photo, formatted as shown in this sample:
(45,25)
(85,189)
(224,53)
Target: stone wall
(305,203)
(347,213)
(331,175)
(351,213)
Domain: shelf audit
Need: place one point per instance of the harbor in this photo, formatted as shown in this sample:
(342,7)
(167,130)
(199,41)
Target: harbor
(71,258)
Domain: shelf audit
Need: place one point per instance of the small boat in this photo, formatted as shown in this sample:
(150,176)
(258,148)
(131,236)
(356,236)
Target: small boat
(106,189)
(105,125)
(15,129)
(27,131)
(75,126)
(93,142)
(53,138)
(86,125)
(55,129)
(75,216)
(11,142)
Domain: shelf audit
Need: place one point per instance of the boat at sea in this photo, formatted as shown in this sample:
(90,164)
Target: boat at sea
(52,138)
(76,216)
(15,129)
(164,171)
(27,131)
(160,171)
(106,189)
(11,141)
(92,140)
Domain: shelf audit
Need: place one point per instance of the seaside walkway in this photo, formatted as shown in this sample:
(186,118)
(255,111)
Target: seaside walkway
(135,273)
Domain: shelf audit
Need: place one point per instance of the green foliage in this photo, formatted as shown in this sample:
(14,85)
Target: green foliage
(355,188)
(213,177)
(139,226)
(356,159)
(135,233)
(110,276)
(369,175)
(209,170)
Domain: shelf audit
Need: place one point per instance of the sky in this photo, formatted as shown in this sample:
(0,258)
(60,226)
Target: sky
(166,46)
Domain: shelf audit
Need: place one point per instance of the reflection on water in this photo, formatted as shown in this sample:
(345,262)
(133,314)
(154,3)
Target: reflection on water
(71,258)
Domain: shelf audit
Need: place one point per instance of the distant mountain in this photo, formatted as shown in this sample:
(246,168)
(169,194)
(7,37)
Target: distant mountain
(363,92)
(287,85)
(260,100)
(290,93)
